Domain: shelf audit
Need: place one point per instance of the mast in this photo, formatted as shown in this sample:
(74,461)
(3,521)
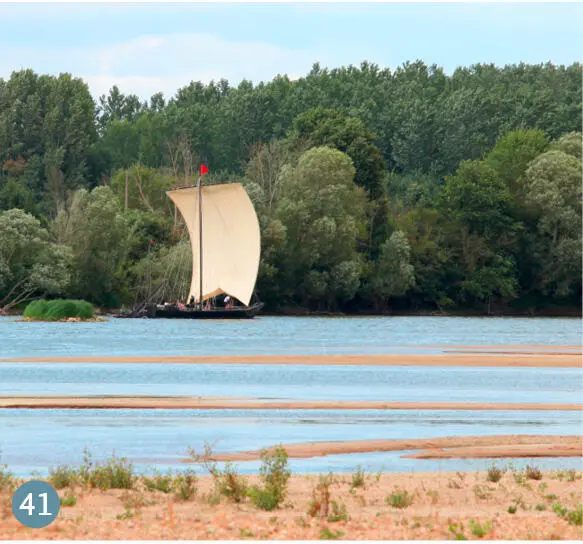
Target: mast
(200,241)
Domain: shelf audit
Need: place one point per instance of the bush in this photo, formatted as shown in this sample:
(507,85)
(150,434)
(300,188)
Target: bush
(230,484)
(159,482)
(339,512)
(533,473)
(7,480)
(358,478)
(185,486)
(275,476)
(116,473)
(320,504)
(479,530)
(494,474)
(68,499)
(56,310)
(62,476)
(399,499)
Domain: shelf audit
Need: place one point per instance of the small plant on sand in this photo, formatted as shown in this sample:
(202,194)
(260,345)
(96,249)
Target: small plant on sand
(275,474)
(7,480)
(533,473)
(479,530)
(481,492)
(573,517)
(245,533)
(457,531)
(62,476)
(434,494)
(115,473)
(494,473)
(327,534)
(358,478)
(543,486)
(399,499)
(184,486)
(338,513)
(159,482)
(540,507)
(68,499)
(458,482)
(550,497)
(512,508)
(321,497)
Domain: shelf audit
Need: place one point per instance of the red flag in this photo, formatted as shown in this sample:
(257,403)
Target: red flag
(203,170)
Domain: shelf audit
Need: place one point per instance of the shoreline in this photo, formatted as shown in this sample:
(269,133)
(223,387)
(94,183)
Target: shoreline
(439,507)
(461,356)
(110,402)
(453,447)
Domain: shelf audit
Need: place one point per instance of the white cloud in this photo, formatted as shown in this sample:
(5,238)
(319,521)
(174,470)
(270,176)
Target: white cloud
(149,64)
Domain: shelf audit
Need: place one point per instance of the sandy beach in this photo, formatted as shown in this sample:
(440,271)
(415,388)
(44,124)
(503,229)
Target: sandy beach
(464,356)
(243,403)
(442,505)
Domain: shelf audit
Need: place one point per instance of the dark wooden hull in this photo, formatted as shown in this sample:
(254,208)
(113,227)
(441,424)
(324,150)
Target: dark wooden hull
(172,312)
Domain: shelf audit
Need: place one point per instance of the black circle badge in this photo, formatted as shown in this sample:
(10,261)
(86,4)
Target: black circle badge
(35,504)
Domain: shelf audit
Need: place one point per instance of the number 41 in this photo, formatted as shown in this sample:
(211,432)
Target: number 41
(27,505)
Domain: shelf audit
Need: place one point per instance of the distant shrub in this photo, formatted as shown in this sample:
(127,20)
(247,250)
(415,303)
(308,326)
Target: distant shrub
(68,499)
(494,474)
(7,480)
(185,486)
(56,310)
(62,476)
(533,473)
(275,475)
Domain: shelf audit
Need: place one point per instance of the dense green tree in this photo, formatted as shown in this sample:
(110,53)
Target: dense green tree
(30,265)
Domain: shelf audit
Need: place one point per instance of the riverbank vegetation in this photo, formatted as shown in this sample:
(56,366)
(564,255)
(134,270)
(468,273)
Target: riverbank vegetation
(376,190)
(109,498)
(59,310)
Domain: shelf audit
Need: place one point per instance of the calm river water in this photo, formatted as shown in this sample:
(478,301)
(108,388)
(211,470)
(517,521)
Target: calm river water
(37,439)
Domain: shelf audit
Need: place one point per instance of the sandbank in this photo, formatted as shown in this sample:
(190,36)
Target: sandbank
(516,356)
(471,446)
(246,403)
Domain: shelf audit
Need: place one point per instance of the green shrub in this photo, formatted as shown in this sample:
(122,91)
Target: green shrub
(184,486)
(321,496)
(264,499)
(399,499)
(327,534)
(159,482)
(358,478)
(62,476)
(115,473)
(339,512)
(68,499)
(479,530)
(275,475)
(512,509)
(56,310)
(7,480)
(230,484)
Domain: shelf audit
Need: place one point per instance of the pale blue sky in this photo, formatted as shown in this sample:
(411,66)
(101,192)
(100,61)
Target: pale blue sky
(146,48)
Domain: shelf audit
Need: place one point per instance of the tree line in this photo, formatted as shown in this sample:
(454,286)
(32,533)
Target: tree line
(376,190)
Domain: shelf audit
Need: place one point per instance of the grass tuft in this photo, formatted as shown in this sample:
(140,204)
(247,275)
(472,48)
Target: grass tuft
(399,499)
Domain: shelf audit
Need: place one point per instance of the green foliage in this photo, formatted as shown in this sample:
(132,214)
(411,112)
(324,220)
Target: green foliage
(159,482)
(115,473)
(433,190)
(55,310)
(7,480)
(274,475)
(184,486)
(480,530)
(494,473)
(62,476)
(399,499)
(68,499)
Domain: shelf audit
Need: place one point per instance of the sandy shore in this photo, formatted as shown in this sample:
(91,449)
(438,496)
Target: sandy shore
(505,356)
(455,447)
(243,403)
(441,504)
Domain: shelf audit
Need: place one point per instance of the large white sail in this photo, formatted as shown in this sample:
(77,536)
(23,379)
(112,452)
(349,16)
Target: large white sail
(231,242)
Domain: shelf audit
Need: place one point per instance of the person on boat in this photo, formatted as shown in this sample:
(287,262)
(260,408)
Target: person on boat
(191,301)
(181,306)
(207,305)
(228,302)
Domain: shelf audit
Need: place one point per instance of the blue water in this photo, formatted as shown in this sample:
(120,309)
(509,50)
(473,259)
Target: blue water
(277,335)
(296,382)
(36,440)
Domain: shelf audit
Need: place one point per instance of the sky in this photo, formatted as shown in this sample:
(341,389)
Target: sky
(144,48)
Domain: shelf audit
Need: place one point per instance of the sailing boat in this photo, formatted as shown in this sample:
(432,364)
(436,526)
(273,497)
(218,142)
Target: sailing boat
(226,244)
